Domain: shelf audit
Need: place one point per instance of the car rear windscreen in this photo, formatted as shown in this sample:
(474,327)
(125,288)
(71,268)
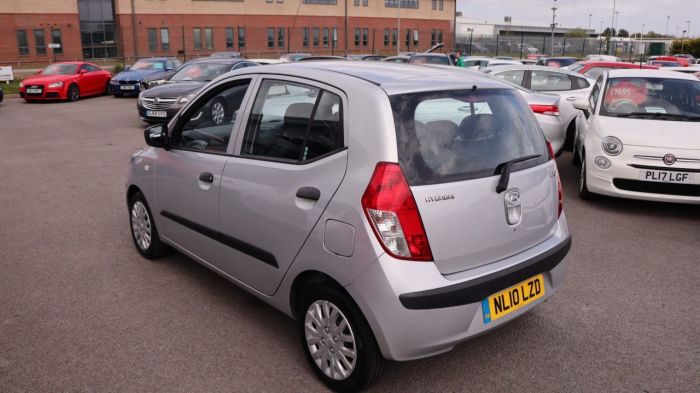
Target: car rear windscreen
(464,134)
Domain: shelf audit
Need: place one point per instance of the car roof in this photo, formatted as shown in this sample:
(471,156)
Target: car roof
(631,73)
(393,78)
(503,67)
(156,58)
(219,60)
(429,55)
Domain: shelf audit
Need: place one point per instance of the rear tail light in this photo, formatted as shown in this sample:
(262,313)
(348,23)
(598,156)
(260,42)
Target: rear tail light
(560,191)
(393,214)
(549,110)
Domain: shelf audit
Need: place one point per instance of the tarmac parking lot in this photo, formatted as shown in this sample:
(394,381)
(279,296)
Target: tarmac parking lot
(82,311)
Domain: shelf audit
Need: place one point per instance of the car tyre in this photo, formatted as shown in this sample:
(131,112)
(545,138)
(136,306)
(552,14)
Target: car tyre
(218,112)
(570,133)
(582,182)
(73,93)
(106,92)
(143,228)
(575,156)
(332,329)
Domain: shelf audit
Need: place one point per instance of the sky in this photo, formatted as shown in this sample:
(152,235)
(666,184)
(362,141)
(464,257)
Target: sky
(574,13)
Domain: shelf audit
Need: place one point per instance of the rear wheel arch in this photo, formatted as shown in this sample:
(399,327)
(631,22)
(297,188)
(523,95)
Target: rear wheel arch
(301,284)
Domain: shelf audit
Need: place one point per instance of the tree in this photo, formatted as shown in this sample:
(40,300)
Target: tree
(691,46)
(623,33)
(606,32)
(577,33)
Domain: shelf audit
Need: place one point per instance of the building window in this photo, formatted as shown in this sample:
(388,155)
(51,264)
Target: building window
(327,2)
(356,3)
(268,1)
(280,37)
(386,37)
(241,37)
(97,28)
(365,3)
(209,38)
(270,37)
(39,42)
(335,37)
(229,37)
(365,36)
(197,38)
(415,38)
(439,37)
(325,37)
(56,39)
(404,3)
(152,36)
(164,39)
(316,36)
(441,5)
(305,37)
(433,5)
(408,38)
(22,43)
(394,37)
(357,37)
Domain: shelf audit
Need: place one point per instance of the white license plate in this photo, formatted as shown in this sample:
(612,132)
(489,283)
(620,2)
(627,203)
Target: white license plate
(665,176)
(34,91)
(156,113)
(128,87)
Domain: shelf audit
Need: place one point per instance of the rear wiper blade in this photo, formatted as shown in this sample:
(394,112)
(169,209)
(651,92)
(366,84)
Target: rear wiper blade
(504,169)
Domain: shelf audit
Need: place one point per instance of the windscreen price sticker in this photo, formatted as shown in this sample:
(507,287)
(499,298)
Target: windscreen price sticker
(6,74)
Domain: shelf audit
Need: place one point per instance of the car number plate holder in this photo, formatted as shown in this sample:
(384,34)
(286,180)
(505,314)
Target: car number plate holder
(666,176)
(156,113)
(512,299)
(128,87)
(33,91)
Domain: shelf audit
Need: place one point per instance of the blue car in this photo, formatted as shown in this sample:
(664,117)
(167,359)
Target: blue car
(128,82)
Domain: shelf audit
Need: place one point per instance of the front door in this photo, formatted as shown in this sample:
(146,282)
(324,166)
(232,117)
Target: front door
(289,163)
(188,175)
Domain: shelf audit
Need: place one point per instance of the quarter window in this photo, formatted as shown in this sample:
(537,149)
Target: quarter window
(549,81)
(210,124)
(293,122)
(515,76)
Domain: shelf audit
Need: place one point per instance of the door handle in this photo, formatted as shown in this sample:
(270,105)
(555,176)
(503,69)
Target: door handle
(206,177)
(311,193)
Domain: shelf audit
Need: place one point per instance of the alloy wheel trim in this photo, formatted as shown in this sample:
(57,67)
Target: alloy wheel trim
(330,340)
(141,225)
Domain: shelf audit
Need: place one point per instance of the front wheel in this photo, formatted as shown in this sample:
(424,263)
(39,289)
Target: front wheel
(338,342)
(582,180)
(73,93)
(143,228)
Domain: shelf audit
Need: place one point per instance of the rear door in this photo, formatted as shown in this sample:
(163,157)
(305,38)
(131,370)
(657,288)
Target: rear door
(452,146)
(569,88)
(290,161)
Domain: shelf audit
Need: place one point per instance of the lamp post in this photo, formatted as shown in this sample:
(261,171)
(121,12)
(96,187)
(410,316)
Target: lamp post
(554,24)
(688,22)
(589,21)
(612,27)
(668,19)
(682,40)
(398,28)
(471,34)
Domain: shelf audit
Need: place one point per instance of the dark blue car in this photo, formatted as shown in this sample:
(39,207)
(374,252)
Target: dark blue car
(128,82)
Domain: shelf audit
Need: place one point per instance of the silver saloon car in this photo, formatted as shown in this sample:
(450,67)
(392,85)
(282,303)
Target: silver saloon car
(394,211)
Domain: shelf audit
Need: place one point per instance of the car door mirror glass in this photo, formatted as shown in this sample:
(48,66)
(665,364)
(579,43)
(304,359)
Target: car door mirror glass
(156,136)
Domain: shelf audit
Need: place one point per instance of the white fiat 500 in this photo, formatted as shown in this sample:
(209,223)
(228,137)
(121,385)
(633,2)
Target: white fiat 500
(639,137)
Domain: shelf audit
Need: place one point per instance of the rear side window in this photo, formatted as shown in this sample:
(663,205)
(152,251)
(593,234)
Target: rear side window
(464,134)
(293,122)
(549,81)
(514,76)
(595,72)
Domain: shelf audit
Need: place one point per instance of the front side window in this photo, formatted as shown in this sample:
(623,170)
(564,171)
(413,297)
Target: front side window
(22,43)
(513,76)
(145,64)
(463,134)
(210,122)
(40,42)
(293,122)
(60,69)
(550,81)
(652,98)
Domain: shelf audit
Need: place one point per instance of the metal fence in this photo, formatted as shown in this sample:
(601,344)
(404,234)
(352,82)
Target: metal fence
(522,45)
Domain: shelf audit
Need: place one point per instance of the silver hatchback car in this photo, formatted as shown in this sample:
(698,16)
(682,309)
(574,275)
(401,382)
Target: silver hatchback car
(393,210)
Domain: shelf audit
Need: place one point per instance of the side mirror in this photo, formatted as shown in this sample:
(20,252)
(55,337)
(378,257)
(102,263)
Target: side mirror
(156,136)
(581,104)
(83,71)
(39,72)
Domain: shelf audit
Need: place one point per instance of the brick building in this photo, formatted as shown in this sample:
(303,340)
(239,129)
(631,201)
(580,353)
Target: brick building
(258,28)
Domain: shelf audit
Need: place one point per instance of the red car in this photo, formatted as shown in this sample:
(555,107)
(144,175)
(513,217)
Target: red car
(68,81)
(593,69)
(680,60)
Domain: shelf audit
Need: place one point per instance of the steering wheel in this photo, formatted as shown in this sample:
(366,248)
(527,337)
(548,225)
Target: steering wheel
(196,144)
(623,106)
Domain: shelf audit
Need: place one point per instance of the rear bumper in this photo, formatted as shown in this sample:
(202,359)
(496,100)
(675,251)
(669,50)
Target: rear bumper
(415,312)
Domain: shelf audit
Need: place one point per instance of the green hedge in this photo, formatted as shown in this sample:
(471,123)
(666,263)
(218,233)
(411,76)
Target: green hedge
(691,46)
